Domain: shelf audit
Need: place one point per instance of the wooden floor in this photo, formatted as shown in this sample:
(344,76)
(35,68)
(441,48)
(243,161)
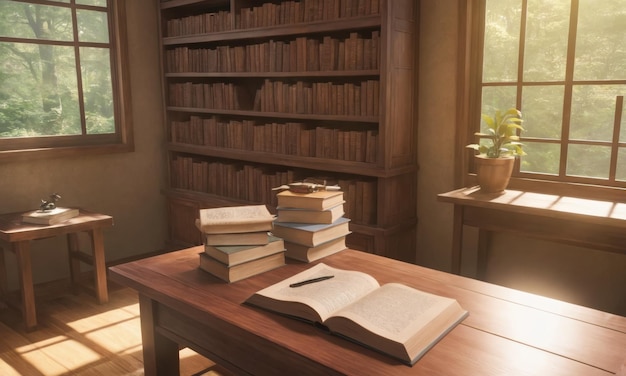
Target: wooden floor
(77,336)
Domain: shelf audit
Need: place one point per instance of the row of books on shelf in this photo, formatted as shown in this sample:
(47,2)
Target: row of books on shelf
(234,180)
(247,240)
(271,14)
(217,95)
(320,98)
(282,138)
(254,184)
(301,54)
(317,98)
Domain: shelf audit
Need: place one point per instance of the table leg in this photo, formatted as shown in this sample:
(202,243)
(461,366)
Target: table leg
(74,248)
(3,277)
(457,239)
(160,354)
(99,265)
(484,237)
(25,272)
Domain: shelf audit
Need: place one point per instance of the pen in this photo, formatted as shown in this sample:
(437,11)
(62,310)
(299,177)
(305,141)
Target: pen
(313,280)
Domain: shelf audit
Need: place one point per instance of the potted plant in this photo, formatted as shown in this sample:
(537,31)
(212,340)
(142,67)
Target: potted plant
(496,156)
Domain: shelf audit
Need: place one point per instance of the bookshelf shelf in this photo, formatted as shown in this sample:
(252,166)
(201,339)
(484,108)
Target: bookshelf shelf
(322,164)
(167,4)
(308,28)
(305,75)
(249,109)
(276,115)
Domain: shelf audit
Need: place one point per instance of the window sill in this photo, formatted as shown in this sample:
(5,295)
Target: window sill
(62,152)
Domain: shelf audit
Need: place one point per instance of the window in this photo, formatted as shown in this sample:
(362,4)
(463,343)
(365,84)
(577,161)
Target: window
(62,77)
(563,63)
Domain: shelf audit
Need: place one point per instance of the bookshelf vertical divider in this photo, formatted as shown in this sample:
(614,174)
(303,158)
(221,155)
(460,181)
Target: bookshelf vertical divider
(261,94)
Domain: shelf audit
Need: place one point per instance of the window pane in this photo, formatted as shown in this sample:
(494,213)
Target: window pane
(541,158)
(99,3)
(593,111)
(545,53)
(588,161)
(501,40)
(622,136)
(542,107)
(20,20)
(600,42)
(497,98)
(621,165)
(92,26)
(98,93)
(38,91)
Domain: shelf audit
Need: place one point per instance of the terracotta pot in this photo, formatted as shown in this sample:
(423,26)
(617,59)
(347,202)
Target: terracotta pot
(493,174)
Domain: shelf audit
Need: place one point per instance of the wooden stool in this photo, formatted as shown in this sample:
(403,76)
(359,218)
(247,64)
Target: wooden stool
(19,235)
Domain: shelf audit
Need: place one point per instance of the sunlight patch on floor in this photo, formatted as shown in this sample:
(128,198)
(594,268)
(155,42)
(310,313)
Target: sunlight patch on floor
(100,320)
(74,354)
(7,369)
(113,342)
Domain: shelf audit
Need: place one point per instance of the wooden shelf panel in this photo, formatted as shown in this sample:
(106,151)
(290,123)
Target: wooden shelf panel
(276,115)
(309,163)
(182,3)
(344,24)
(307,74)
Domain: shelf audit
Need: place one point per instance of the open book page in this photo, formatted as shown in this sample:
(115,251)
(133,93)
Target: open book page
(325,297)
(402,320)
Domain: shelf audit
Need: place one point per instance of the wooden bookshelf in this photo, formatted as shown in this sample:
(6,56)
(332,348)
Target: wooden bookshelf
(262,94)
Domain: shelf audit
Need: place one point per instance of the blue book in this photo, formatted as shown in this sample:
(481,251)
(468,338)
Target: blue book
(309,234)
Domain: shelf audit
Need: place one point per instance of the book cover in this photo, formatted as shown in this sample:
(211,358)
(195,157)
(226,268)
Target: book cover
(327,216)
(241,271)
(242,238)
(309,254)
(311,234)
(235,219)
(320,200)
(50,217)
(393,318)
(237,254)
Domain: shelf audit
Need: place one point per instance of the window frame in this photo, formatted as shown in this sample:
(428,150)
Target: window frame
(471,38)
(29,148)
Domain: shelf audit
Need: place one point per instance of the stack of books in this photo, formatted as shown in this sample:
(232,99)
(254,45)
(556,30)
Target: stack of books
(237,242)
(312,225)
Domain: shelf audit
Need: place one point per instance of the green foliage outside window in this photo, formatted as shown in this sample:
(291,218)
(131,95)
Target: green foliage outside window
(43,92)
(569,83)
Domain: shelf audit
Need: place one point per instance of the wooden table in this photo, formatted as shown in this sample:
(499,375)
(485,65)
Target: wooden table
(589,223)
(18,235)
(508,332)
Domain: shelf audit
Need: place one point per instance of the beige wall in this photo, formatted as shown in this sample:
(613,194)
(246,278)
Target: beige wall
(436,130)
(125,185)
(574,274)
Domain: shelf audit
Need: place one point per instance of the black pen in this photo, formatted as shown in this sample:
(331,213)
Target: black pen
(313,280)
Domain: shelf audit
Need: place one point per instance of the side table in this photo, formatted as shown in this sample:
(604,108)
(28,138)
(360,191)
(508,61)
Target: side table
(18,236)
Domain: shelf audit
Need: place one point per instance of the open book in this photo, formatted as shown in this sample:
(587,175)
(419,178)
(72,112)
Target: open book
(393,318)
